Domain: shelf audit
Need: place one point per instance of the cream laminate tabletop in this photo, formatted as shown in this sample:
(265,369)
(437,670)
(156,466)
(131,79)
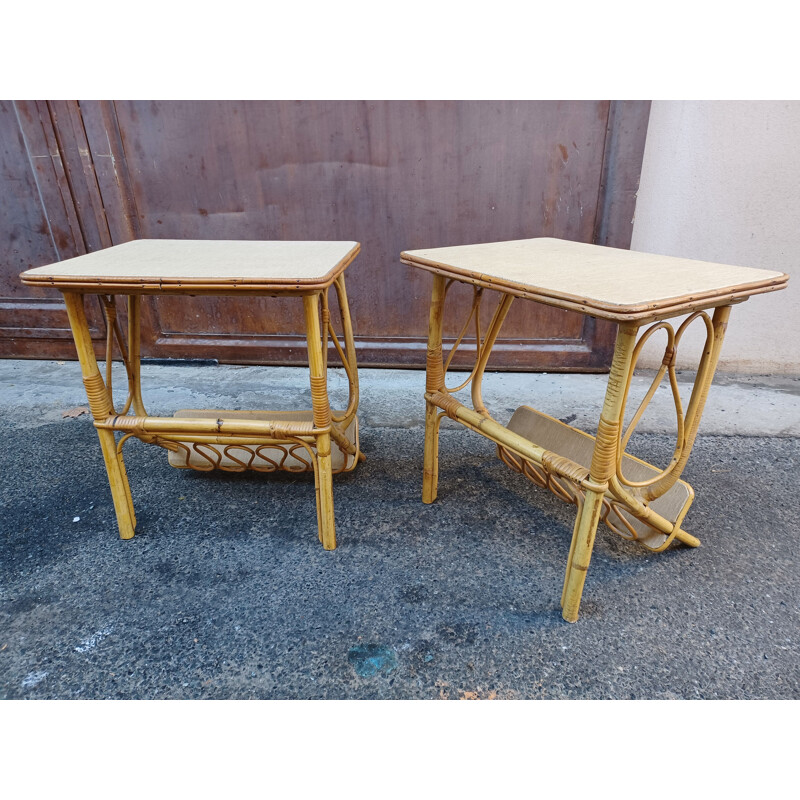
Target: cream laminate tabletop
(601,281)
(179,264)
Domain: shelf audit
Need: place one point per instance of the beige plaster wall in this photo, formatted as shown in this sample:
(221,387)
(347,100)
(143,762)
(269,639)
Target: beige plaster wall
(721,182)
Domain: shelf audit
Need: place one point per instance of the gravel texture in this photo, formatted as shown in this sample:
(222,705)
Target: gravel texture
(225,591)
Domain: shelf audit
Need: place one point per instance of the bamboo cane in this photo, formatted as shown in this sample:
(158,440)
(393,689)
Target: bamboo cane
(134,354)
(348,356)
(579,504)
(210,425)
(434,382)
(694,411)
(603,468)
(503,307)
(322,421)
(100,405)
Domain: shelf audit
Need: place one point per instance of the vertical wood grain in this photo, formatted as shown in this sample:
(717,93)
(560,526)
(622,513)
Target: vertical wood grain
(392,175)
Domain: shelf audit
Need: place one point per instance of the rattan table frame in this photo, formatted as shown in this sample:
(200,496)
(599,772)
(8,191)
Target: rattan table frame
(223,440)
(598,485)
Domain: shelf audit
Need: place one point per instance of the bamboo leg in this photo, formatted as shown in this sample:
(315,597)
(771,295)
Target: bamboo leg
(100,405)
(430,475)
(434,382)
(126,484)
(603,468)
(322,419)
(579,506)
(581,554)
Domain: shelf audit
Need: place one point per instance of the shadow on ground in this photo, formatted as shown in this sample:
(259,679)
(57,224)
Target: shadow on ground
(225,591)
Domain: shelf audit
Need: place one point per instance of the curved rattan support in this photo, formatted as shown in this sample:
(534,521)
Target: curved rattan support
(474,312)
(715,333)
(134,357)
(213,456)
(500,313)
(147,438)
(667,365)
(337,423)
(438,396)
(109,306)
(129,352)
(616,503)
(633,499)
(624,501)
(687,423)
(437,369)
(347,354)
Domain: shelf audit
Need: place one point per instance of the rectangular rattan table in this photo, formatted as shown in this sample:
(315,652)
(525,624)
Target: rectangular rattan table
(234,441)
(635,499)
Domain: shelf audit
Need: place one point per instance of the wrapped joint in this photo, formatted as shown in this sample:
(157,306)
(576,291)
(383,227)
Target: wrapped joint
(448,404)
(434,376)
(125,423)
(97,395)
(604,459)
(669,357)
(319,402)
(560,465)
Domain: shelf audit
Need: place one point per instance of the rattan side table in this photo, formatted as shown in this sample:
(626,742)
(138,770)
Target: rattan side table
(264,441)
(636,500)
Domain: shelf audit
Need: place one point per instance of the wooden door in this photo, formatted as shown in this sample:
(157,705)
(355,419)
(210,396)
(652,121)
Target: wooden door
(38,225)
(393,175)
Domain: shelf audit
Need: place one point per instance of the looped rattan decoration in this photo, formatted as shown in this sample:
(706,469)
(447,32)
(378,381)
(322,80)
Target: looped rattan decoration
(474,313)
(536,473)
(612,514)
(293,454)
(687,423)
(114,333)
(438,369)
(347,354)
(257,459)
(626,499)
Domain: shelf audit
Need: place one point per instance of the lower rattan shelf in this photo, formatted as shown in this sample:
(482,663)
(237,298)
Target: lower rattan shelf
(289,455)
(558,437)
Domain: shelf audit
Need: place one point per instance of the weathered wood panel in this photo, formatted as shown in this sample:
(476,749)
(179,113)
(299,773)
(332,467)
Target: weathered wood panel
(393,175)
(39,224)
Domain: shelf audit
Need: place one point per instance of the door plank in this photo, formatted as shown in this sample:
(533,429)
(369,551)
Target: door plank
(38,225)
(392,175)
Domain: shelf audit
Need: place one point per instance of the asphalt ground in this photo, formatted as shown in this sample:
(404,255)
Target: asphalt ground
(225,591)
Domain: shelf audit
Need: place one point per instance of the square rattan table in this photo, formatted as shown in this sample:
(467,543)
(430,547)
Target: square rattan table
(234,441)
(635,499)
